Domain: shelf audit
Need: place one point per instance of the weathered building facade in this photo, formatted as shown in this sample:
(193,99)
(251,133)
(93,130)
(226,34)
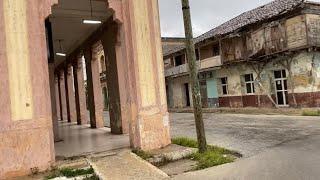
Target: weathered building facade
(265,57)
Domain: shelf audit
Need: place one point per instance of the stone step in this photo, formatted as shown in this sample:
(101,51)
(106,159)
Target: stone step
(125,165)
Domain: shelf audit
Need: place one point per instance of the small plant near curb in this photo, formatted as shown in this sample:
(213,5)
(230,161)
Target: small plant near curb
(311,113)
(213,157)
(143,154)
(93,177)
(184,141)
(68,172)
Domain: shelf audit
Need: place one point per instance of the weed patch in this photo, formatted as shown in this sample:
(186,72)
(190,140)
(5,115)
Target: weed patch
(214,156)
(68,172)
(311,113)
(186,142)
(143,154)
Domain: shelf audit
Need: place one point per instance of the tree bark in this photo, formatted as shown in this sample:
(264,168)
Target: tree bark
(202,142)
(258,80)
(287,65)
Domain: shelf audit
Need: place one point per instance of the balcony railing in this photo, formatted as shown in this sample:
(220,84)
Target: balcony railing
(177,70)
(203,64)
(210,62)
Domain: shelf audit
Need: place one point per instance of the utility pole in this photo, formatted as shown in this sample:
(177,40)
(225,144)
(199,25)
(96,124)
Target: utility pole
(196,96)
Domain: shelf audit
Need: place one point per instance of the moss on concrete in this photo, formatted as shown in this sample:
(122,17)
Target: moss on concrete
(143,154)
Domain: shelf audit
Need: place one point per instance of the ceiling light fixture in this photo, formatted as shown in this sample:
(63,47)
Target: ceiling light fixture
(91,21)
(61,51)
(86,21)
(61,54)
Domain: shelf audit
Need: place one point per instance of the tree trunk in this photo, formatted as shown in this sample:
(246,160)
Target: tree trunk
(202,142)
(290,79)
(261,87)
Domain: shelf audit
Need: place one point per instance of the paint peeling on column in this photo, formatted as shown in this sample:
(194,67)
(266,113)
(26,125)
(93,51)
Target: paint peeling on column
(166,120)
(144,54)
(15,17)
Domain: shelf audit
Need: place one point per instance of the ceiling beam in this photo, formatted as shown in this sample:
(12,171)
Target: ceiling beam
(76,13)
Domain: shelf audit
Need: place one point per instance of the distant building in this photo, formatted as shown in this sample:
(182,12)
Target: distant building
(265,57)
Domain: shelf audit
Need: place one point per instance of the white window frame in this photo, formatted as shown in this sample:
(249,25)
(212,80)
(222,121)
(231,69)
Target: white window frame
(224,85)
(283,91)
(251,82)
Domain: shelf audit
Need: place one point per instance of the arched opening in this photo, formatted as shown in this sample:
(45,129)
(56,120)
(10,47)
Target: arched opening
(102,64)
(105,99)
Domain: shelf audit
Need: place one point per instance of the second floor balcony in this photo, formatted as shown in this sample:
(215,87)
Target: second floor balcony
(202,65)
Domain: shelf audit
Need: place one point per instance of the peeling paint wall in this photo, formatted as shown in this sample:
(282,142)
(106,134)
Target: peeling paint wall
(177,92)
(305,70)
(264,46)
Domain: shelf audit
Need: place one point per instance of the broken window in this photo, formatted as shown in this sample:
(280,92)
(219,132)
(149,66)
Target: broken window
(197,54)
(216,50)
(224,85)
(249,81)
(178,60)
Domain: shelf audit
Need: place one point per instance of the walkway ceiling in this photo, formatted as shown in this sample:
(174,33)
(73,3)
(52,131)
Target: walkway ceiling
(67,25)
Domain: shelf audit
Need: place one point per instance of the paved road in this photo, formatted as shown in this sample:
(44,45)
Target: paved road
(275,147)
(248,134)
(295,160)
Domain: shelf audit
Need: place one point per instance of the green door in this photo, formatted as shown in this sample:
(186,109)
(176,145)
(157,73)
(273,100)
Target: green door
(212,91)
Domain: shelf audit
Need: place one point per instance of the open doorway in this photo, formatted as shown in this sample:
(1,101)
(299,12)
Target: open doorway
(187,94)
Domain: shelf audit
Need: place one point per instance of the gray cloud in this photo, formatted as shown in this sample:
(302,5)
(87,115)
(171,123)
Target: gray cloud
(206,14)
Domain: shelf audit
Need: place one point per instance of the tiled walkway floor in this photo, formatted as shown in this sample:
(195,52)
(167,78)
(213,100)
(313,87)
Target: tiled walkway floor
(79,140)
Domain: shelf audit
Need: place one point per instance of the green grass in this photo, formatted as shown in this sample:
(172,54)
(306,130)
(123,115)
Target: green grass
(143,154)
(311,113)
(214,156)
(68,172)
(186,142)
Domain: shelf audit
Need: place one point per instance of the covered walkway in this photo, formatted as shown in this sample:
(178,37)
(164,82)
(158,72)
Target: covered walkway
(82,140)
(49,69)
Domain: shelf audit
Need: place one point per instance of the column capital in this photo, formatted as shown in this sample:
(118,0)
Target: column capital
(116,7)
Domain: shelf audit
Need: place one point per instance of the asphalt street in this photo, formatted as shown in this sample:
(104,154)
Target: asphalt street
(274,147)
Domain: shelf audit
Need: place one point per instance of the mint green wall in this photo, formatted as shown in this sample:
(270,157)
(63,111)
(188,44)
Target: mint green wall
(212,88)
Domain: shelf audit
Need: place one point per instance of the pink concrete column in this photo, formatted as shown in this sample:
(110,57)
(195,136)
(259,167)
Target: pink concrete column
(116,79)
(63,96)
(59,93)
(81,105)
(26,132)
(66,87)
(97,90)
(57,96)
(71,95)
(93,82)
(53,102)
(140,56)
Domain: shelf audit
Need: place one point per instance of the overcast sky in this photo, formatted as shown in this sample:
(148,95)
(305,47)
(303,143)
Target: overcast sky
(206,14)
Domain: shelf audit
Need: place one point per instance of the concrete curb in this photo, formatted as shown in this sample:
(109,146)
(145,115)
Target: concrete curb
(95,168)
(172,156)
(150,165)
